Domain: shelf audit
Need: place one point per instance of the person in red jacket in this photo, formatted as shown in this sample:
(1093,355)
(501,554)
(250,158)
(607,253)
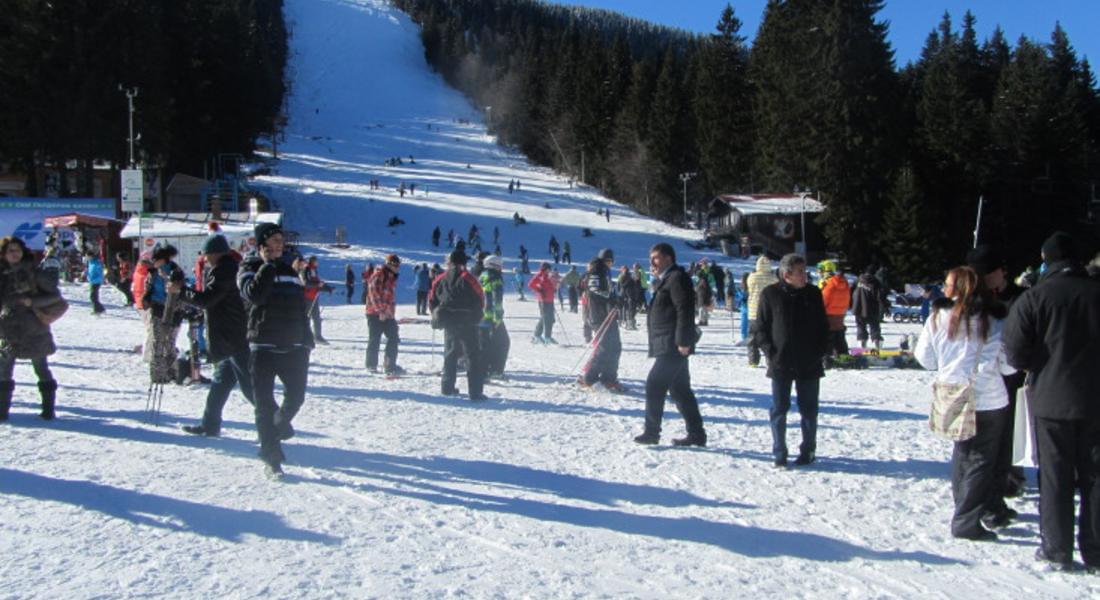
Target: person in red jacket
(382,316)
(313,283)
(125,277)
(545,288)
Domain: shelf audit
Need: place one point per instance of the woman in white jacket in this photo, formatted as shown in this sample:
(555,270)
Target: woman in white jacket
(962,342)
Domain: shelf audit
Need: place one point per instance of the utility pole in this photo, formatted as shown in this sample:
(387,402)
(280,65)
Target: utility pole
(131,93)
(686,177)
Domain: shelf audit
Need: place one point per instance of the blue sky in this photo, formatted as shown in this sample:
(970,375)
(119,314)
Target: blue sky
(910,20)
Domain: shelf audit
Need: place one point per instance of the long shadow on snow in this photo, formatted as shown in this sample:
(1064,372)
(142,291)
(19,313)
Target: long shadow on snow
(748,541)
(153,510)
(741,397)
(826,463)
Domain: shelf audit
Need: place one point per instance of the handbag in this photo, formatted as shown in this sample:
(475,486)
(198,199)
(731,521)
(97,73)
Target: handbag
(1023,434)
(954,408)
(51,312)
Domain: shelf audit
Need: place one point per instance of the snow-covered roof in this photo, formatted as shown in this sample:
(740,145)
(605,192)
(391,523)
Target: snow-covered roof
(771,204)
(235,224)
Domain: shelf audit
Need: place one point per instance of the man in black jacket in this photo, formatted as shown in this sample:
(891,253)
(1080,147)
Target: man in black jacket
(672,337)
(280,340)
(603,367)
(226,332)
(1053,331)
(792,330)
(458,304)
(867,300)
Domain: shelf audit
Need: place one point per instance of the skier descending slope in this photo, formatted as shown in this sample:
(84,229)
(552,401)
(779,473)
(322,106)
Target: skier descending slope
(280,340)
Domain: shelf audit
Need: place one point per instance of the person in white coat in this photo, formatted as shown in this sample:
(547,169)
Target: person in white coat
(961,341)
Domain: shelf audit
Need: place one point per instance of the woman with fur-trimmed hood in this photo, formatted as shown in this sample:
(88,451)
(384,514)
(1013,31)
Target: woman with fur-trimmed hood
(29,300)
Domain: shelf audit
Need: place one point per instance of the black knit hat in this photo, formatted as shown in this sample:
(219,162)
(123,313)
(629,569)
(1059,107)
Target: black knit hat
(1058,247)
(215,244)
(984,259)
(264,231)
(606,254)
(458,257)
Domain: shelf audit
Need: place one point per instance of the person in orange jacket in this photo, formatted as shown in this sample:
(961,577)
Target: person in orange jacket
(837,295)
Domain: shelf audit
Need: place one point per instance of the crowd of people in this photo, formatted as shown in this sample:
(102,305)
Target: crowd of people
(262,320)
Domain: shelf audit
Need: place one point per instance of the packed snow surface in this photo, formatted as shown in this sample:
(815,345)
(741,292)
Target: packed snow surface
(395,491)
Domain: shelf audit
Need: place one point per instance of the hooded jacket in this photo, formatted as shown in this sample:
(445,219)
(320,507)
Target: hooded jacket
(761,278)
(226,328)
(22,334)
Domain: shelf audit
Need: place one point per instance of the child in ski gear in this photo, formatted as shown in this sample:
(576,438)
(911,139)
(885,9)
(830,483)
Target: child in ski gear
(162,313)
(495,342)
(93,270)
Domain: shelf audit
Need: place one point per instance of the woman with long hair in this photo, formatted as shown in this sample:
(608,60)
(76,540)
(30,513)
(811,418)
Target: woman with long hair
(25,293)
(961,341)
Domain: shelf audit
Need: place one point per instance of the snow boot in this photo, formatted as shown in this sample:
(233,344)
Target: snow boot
(48,390)
(6,389)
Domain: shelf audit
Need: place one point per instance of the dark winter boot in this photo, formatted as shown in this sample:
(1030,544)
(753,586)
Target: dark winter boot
(49,396)
(6,388)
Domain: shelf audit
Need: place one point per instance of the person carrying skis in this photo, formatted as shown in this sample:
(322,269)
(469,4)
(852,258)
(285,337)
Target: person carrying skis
(495,342)
(382,318)
(279,338)
(162,314)
(603,319)
(227,332)
(29,301)
(458,304)
(543,285)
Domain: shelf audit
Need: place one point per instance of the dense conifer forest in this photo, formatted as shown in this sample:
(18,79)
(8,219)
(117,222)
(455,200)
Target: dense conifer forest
(208,74)
(899,155)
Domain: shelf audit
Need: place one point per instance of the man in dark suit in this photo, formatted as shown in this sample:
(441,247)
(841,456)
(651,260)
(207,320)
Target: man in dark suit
(672,337)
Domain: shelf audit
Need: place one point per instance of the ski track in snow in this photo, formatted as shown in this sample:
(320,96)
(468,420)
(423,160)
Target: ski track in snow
(393,490)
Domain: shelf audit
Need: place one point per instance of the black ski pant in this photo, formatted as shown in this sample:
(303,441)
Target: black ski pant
(228,372)
(808,391)
(670,375)
(456,340)
(351,292)
(973,473)
(838,343)
(754,348)
(124,287)
(94,297)
(495,345)
(376,328)
(1009,476)
(545,326)
(573,299)
(421,302)
(604,364)
(272,420)
(1069,463)
(868,328)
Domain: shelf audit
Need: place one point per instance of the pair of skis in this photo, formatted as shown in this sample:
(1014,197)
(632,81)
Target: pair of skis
(597,339)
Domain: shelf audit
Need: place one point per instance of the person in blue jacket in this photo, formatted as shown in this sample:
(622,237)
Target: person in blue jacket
(423,286)
(94,273)
(742,298)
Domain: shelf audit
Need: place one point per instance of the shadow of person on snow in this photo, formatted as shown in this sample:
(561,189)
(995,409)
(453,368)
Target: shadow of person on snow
(153,510)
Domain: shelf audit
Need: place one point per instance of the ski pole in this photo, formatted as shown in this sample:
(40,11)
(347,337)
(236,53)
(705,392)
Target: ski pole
(564,329)
(598,340)
(596,337)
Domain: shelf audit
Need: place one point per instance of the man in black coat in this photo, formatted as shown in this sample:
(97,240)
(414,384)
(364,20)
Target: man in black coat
(457,303)
(1053,331)
(279,337)
(227,345)
(867,303)
(792,330)
(672,338)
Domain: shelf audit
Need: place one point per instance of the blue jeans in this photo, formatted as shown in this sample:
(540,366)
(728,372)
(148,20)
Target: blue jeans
(227,373)
(808,390)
